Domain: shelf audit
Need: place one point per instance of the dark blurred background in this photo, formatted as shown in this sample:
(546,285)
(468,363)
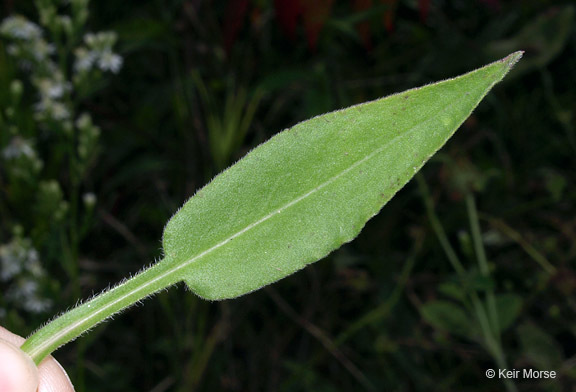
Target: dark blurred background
(189,87)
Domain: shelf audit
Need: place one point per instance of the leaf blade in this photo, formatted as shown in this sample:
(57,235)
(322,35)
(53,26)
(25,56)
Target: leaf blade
(294,199)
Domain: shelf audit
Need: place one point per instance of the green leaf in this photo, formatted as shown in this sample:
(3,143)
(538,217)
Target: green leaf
(311,188)
(449,317)
(508,307)
(292,200)
(539,348)
(453,290)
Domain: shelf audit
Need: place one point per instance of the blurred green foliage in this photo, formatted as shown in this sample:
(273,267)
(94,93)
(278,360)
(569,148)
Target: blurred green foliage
(201,83)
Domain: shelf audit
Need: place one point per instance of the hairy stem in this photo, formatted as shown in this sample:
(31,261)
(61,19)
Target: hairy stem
(80,319)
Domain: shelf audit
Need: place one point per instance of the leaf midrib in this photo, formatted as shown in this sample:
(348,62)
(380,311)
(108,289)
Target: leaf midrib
(314,190)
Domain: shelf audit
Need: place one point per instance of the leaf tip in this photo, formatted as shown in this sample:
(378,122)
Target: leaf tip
(512,59)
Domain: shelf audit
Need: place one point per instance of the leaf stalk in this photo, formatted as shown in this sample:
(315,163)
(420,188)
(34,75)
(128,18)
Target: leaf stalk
(75,322)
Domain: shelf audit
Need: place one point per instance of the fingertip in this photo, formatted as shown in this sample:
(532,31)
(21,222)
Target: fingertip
(18,373)
(49,376)
(53,377)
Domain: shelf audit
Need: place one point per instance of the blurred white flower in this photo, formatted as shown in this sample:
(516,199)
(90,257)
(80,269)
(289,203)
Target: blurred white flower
(101,41)
(89,199)
(16,88)
(84,121)
(21,28)
(18,256)
(13,50)
(18,147)
(54,87)
(41,50)
(60,111)
(54,110)
(33,265)
(35,304)
(98,52)
(20,264)
(109,61)
(10,261)
(24,291)
(65,23)
(26,288)
(85,59)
